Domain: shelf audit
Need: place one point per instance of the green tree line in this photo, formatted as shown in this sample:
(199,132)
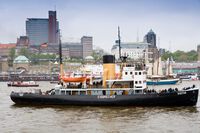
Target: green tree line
(181,56)
(31,56)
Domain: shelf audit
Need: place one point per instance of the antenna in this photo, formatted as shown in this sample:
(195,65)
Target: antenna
(137,39)
(158,42)
(54,7)
(170,46)
(119,41)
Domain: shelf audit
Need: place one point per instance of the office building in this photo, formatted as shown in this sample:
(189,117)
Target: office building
(22,41)
(53,28)
(133,50)
(74,49)
(87,44)
(42,30)
(37,31)
(153,52)
(139,50)
(78,49)
(150,38)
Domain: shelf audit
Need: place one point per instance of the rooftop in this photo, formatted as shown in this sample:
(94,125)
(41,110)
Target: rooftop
(9,45)
(131,45)
(21,59)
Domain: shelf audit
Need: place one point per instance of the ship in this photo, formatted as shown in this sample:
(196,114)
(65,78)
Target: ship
(128,89)
(156,76)
(159,80)
(22,84)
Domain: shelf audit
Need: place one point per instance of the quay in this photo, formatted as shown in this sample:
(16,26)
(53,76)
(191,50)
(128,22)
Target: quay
(29,77)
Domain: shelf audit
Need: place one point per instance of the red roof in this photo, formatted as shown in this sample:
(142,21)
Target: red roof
(9,45)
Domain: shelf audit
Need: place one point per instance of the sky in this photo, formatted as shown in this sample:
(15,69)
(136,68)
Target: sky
(175,22)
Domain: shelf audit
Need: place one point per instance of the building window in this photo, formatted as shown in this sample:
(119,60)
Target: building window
(140,82)
(126,73)
(131,73)
(140,73)
(136,82)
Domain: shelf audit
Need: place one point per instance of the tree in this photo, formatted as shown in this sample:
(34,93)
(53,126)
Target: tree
(41,58)
(166,55)
(181,56)
(98,54)
(192,55)
(24,52)
(11,57)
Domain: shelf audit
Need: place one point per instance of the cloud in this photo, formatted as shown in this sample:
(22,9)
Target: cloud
(175,21)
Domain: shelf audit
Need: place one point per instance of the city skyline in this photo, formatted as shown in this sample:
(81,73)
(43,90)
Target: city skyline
(175,22)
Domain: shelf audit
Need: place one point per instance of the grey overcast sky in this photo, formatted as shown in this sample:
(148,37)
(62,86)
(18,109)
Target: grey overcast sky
(175,22)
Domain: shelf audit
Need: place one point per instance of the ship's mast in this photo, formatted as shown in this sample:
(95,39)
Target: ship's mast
(122,58)
(119,41)
(60,58)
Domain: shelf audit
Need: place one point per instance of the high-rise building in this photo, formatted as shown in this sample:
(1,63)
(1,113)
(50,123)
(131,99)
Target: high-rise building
(87,43)
(75,49)
(43,30)
(37,31)
(53,28)
(150,37)
(22,41)
(198,51)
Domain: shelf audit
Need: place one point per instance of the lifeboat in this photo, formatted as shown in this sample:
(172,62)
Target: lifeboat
(74,79)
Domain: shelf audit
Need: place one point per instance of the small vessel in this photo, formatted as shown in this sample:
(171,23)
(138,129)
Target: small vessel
(189,77)
(159,80)
(23,84)
(156,77)
(129,89)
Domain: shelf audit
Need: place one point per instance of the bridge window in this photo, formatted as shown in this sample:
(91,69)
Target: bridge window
(135,73)
(62,92)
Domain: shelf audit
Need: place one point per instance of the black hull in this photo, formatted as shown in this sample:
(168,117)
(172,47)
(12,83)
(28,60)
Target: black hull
(188,98)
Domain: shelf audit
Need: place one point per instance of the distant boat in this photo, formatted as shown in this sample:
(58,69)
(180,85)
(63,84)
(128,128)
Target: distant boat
(161,81)
(189,77)
(155,74)
(23,84)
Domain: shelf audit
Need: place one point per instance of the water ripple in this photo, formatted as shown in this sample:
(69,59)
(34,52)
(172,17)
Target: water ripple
(34,119)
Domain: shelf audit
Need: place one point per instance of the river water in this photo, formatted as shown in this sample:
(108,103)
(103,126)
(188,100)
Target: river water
(58,119)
